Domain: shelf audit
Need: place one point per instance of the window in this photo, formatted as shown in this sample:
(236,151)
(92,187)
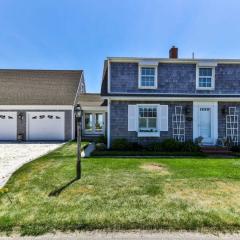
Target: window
(148,77)
(88,122)
(147,119)
(205,78)
(94,123)
(99,122)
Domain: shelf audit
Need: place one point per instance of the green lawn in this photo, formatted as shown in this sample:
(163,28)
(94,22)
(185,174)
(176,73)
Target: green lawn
(123,193)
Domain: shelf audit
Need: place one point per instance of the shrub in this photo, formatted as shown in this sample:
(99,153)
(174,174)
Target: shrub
(101,146)
(102,139)
(123,144)
(171,145)
(235,148)
(190,146)
(120,144)
(134,146)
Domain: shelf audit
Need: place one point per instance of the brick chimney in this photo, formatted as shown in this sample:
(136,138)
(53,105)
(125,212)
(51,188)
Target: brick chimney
(173,52)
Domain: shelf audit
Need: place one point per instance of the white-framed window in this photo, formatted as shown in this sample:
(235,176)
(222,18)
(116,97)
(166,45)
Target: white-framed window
(147,119)
(205,78)
(147,77)
(93,123)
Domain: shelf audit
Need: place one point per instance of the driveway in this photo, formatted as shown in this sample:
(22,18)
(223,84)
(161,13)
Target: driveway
(137,235)
(14,155)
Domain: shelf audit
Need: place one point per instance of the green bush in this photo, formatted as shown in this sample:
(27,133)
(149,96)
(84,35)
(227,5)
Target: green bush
(171,145)
(134,146)
(235,148)
(167,145)
(123,144)
(190,146)
(120,144)
(102,139)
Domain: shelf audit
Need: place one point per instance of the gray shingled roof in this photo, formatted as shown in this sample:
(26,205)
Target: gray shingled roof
(91,100)
(38,87)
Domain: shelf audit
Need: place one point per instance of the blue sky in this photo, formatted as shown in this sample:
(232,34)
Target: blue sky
(80,34)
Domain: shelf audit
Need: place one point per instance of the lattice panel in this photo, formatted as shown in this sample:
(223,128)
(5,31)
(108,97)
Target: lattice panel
(232,125)
(178,124)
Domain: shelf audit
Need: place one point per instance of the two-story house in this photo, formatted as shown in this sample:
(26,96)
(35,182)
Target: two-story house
(150,99)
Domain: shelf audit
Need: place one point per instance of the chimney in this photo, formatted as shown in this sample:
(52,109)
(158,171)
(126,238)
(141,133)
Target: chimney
(173,52)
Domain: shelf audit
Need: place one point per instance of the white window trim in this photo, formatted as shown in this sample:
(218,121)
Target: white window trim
(212,79)
(147,134)
(93,132)
(140,66)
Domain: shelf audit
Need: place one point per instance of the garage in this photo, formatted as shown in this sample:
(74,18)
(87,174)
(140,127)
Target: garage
(45,126)
(8,126)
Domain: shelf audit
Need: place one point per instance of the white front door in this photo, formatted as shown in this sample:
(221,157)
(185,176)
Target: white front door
(45,126)
(205,124)
(8,126)
(205,121)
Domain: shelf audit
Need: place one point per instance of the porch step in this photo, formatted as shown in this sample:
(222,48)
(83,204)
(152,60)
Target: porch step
(215,150)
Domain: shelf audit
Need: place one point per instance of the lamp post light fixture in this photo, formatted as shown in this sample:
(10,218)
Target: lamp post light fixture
(78,115)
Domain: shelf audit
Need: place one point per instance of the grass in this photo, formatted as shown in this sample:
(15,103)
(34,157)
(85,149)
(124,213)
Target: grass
(130,193)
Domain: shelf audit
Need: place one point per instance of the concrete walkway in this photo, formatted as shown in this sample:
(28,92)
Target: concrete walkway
(138,235)
(13,156)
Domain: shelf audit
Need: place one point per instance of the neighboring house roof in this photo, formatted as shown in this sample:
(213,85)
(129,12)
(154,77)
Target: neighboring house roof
(91,100)
(40,87)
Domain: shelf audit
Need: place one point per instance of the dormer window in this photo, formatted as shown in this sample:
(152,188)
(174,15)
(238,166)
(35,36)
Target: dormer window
(205,78)
(147,76)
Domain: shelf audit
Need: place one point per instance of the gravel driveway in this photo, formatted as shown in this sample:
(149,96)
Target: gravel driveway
(13,156)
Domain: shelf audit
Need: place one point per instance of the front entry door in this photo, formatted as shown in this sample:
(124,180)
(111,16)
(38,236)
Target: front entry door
(205,124)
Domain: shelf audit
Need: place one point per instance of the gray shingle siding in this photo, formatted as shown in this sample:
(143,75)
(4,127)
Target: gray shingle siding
(174,78)
(119,122)
(222,117)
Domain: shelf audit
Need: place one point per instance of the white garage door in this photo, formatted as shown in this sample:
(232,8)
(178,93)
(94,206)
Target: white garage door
(8,126)
(45,126)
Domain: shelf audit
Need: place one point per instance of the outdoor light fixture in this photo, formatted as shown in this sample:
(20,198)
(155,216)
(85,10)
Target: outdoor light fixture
(20,116)
(187,109)
(78,114)
(224,110)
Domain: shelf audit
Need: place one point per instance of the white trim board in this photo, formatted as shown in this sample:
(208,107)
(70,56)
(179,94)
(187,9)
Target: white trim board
(108,125)
(177,60)
(190,99)
(99,108)
(36,107)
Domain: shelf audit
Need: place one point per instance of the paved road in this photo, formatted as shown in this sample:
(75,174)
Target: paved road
(13,156)
(139,235)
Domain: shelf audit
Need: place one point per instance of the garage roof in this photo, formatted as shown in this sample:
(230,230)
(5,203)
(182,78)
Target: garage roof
(40,87)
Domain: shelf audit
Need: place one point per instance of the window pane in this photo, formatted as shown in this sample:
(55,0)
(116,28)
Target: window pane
(207,72)
(147,77)
(205,82)
(152,123)
(88,122)
(99,122)
(142,123)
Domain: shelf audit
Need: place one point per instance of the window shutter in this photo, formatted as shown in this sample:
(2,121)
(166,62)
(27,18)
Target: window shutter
(163,117)
(132,118)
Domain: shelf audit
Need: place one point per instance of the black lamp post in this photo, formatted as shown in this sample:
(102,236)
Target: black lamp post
(78,114)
